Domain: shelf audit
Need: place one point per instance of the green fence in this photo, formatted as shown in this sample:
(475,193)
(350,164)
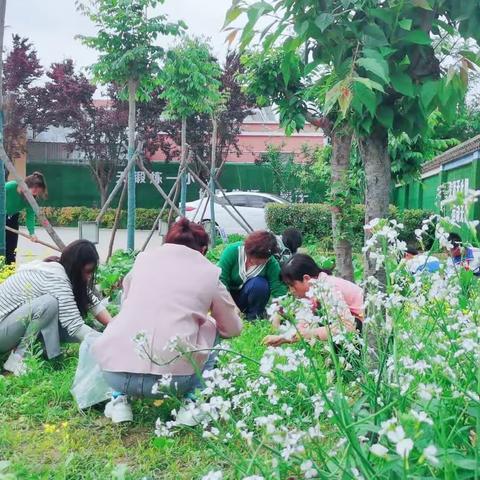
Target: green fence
(73,185)
(461,174)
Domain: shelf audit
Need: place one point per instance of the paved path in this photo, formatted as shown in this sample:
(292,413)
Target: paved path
(28,251)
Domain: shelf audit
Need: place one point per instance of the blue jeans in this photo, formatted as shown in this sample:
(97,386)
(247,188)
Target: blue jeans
(253,297)
(141,384)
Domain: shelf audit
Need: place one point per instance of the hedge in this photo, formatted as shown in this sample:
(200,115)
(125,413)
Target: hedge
(314,221)
(70,216)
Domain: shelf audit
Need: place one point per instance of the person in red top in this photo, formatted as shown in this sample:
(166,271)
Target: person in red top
(298,273)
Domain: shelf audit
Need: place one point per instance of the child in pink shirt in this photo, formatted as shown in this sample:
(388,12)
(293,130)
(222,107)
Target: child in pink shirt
(299,273)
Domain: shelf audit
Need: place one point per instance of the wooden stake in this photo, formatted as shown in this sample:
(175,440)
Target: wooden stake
(41,242)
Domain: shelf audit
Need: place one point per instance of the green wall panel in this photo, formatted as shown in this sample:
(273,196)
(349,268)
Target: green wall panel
(73,185)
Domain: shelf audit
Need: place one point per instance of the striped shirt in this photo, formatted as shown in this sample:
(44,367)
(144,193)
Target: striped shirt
(45,278)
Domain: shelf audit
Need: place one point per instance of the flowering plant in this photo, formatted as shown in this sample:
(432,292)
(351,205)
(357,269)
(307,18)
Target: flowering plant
(407,407)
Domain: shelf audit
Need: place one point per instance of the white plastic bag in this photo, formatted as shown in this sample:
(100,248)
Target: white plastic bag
(89,386)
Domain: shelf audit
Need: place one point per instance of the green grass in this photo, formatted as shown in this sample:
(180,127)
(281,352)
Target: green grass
(44,436)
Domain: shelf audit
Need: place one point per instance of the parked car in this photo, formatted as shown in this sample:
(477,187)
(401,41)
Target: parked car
(250,205)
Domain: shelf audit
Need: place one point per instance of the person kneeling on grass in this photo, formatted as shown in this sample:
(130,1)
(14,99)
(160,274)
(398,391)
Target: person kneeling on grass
(251,273)
(173,303)
(49,299)
(417,262)
(288,244)
(301,274)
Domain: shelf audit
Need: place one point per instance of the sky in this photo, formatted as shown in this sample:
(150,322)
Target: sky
(51,25)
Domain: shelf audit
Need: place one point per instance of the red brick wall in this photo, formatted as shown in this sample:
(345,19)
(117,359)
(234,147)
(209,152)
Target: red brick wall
(255,138)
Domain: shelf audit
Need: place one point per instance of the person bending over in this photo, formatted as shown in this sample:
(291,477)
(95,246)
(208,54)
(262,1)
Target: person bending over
(417,262)
(288,244)
(301,273)
(251,273)
(49,299)
(15,202)
(174,309)
(462,255)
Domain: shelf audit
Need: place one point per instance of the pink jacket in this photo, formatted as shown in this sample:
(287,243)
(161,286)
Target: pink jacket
(352,293)
(169,293)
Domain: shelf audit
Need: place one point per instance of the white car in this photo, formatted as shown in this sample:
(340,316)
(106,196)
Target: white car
(250,205)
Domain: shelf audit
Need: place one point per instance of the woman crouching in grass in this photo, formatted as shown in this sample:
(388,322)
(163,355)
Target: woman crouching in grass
(174,309)
(306,279)
(49,299)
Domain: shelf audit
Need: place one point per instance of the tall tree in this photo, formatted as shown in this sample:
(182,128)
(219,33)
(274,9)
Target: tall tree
(295,96)
(238,105)
(3,216)
(100,135)
(382,67)
(190,79)
(21,68)
(129,57)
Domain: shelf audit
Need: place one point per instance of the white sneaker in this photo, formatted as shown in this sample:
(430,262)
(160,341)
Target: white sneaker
(190,415)
(119,410)
(16,364)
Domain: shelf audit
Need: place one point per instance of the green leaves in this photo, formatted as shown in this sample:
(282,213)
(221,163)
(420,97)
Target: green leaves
(403,84)
(385,116)
(428,91)
(418,37)
(374,64)
(366,97)
(324,20)
(126,41)
(422,4)
(190,79)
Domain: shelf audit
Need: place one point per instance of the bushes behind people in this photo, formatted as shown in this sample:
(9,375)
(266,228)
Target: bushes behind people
(314,220)
(70,216)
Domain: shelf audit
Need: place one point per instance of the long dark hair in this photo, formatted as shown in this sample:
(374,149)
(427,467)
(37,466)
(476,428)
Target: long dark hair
(36,179)
(292,239)
(74,258)
(299,265)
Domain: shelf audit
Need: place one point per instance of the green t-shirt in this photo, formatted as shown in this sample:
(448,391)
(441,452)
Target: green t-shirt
(16,202)
(230,276)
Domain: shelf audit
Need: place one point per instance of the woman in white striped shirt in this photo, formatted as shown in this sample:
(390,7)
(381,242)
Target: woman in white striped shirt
(49,299)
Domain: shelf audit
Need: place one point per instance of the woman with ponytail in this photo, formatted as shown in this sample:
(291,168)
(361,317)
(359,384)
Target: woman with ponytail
(174,309)
(15,203)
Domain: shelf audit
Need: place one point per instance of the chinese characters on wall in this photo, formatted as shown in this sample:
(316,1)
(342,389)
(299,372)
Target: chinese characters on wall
(447,194)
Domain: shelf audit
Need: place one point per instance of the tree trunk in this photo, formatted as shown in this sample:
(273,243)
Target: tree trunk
(341,148)
(213,230)
(3,214)
(103,194)
(132,92)
(374,151)
(183,192)
(118,214)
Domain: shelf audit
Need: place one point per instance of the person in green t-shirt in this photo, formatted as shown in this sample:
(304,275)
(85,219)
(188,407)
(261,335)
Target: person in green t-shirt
(15,203)
(251,273)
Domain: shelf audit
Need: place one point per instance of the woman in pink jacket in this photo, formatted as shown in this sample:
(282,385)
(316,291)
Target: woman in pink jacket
(174,309)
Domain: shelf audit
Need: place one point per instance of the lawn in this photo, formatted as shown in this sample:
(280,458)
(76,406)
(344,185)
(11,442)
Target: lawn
(44,436)
(404,405)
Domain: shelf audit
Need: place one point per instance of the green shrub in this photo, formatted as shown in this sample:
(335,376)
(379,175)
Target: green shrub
(315,222)
(70,216)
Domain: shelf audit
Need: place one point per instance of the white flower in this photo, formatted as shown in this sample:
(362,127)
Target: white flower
(396,434)
(254,477)
(404,447)
(421,417)
(213,475)
(356,474)
(430,454)
(379,450)
(308,469)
